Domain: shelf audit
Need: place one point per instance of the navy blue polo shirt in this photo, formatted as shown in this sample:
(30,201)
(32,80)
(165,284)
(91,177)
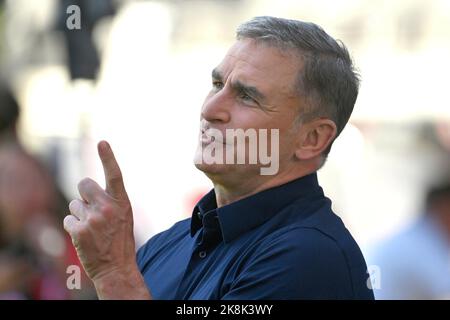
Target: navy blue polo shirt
(281,243)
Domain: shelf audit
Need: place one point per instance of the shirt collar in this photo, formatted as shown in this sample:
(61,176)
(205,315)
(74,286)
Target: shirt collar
(243,215)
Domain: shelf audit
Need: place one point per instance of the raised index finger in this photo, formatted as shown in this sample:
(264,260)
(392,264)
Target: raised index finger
(113,175)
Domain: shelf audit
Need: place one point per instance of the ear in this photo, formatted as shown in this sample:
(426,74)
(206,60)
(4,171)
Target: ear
(315,136)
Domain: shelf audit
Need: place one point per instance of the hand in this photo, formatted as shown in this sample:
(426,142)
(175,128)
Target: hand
(101,227)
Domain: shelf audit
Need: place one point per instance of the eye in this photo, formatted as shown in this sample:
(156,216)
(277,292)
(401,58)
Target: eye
(245,97)
(218,85)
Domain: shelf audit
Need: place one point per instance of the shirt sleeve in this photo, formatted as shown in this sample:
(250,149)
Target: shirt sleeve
(302,263)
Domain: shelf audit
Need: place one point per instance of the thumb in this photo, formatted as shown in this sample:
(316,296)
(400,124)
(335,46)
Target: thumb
(113,175)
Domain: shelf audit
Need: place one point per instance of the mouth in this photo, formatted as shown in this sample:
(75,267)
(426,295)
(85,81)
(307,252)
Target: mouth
(207,139)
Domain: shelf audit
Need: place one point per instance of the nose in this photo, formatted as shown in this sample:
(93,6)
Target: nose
(217,107)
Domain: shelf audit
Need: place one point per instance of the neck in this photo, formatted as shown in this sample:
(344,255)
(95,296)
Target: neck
(231,191)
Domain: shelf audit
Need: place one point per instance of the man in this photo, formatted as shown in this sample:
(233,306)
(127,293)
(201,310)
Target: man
(255,235)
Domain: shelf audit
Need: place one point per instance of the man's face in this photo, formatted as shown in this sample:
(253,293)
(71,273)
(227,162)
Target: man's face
(254,87)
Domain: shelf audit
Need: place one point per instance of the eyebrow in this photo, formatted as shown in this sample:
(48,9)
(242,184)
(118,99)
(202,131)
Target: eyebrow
(241,87)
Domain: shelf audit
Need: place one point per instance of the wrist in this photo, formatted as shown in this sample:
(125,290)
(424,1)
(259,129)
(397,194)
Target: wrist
(122,284)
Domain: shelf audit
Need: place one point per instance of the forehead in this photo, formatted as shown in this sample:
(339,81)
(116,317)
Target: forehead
(262,65)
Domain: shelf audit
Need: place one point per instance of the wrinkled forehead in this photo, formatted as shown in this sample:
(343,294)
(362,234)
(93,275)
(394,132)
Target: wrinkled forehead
(263,64)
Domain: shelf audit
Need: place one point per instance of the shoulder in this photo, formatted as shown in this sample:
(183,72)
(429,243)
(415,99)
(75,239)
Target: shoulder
(314,259)
(300,263)
(326,229)
(303,247)
(306,252)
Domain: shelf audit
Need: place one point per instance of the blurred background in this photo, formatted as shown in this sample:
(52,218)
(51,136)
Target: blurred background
(136,72)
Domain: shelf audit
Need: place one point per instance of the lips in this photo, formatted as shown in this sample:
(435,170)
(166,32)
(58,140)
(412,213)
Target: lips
(207,138)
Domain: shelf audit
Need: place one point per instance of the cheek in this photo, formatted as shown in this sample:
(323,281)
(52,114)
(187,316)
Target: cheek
(288,136)
(253,117)
(248,118)
(283,124)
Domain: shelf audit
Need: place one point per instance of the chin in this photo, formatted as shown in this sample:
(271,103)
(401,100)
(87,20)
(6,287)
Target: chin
(212,169)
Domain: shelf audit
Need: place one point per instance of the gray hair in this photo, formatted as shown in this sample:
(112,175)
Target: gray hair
(328,80)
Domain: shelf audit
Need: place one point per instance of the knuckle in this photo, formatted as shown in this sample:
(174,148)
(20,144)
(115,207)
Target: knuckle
(106,209)
(94,221)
